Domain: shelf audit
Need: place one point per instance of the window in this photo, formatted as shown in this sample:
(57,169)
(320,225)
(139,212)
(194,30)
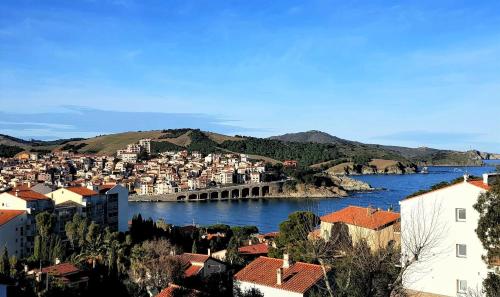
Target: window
(461,250)
(461,286)
(460,214)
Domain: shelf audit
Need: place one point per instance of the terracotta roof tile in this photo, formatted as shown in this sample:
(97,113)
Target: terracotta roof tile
(62,269)
(82,191)
(198,258)
(299,277)
(7,215)
(362,217)
(192,270)
(27,194)
(480,184)
(254,249)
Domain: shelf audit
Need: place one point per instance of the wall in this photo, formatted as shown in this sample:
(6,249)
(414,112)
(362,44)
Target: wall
(267,291)
(439,269)
(10,236)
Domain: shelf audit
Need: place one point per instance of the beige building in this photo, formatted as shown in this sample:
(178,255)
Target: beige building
(376,226)
(13,232)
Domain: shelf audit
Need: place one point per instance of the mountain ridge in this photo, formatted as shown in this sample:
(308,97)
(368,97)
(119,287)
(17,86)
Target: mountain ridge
(309,148)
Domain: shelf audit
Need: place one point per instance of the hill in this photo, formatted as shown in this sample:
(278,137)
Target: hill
(312,148)
(419,156)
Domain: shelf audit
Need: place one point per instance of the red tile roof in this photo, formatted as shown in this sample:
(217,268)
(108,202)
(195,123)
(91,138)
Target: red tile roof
(62,269)
(198,258)
(192,270)
(8,215)
(26,194)
(480,184)
(363,217)
(82,191)
(299,277)
(254,249)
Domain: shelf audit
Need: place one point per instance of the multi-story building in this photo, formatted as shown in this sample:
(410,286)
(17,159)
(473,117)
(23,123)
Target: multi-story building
(377,227)
(24,199)
(450,263)
(13,232)
(93,204)
(145,144)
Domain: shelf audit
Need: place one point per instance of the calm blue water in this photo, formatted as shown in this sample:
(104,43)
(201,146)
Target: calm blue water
(267,214)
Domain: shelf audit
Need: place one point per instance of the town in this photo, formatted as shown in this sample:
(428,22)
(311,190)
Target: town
(64,231)
(136,169)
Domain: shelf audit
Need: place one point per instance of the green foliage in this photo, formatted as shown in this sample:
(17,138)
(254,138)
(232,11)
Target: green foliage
(8,151)
(253,292)
(194,249)
(173,133)
(244,232)
(293,235)
(305,153)
(492,285)
(4,263)
(488,229)
(164,146)
(232,255)
(200,142)
(48,246)
(74,147)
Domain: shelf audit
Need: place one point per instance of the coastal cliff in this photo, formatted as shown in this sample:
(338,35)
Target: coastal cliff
(376,166)
(338,187)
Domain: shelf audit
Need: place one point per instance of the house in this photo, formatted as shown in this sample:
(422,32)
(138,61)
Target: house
(279,277)
(12,232)
(93,204)
(201,265)
(253,251)
(451,265)
(373,225)
(24,199)
(64,273)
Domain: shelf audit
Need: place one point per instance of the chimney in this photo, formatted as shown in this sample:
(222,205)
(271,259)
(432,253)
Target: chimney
(279,276)
(58,261)
(209,252)
(466,178)
(249,242)
(17,193)
(286,261)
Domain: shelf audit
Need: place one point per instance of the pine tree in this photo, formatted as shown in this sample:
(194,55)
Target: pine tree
(194,249)
(4,263)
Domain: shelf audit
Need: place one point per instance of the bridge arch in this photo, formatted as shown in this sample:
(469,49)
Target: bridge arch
(255,192)
(245,192)
(224,194)
(214,195)
(193,197)
(265,191)
(204,196)
(235,193)
(181,197)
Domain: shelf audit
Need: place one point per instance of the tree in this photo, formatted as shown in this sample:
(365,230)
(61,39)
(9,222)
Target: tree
(48,245)
(153,265)
(4,263)
(232,255)
(293,235)
(488,231)
(194,249)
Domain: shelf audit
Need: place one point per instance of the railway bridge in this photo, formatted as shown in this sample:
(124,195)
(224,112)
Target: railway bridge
(243,191)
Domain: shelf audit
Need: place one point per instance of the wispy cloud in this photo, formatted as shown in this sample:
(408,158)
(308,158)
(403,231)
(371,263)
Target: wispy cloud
(78,121)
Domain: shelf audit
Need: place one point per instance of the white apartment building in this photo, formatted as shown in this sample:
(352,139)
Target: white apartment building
(451,265)
(146,145)
(13,232)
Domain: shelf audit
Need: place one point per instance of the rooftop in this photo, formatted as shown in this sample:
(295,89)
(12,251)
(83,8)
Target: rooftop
(369,218)
(27,194)
(254,249)
(7,215)
(82,191)
(299,277)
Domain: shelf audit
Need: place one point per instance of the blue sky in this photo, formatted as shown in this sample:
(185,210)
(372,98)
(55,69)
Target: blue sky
(414,73)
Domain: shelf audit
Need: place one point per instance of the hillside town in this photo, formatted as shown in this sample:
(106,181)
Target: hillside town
(133,167)
(77,239)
